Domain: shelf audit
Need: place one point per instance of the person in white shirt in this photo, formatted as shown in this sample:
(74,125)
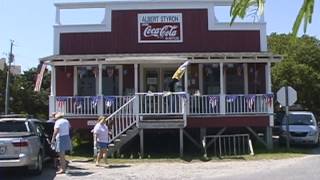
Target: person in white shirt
(61,139)
(101,138)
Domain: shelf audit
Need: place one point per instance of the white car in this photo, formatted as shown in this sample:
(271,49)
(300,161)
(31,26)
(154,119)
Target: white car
(303,128)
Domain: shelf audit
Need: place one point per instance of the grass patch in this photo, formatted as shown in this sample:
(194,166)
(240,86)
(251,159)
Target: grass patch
(83,152)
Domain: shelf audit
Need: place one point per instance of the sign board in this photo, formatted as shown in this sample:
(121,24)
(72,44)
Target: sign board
(282,94)
(91,122)
(160,28)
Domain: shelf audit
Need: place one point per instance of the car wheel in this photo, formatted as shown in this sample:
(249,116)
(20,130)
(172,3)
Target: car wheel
(38,166)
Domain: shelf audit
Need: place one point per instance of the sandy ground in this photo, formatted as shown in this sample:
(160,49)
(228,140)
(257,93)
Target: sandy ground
(188,170)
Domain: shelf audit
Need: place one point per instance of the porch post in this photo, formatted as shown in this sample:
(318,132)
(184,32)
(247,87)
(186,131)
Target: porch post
(141,143)
(222,93)
(136,78)
(100,104)
(181,141)
(203,133)
(186,80)
(268,132)
(52,99)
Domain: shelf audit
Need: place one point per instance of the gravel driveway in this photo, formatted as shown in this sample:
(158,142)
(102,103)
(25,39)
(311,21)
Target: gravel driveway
(306,167)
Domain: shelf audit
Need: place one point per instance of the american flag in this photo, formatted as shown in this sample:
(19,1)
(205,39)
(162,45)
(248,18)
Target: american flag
(37,87)
(250,101)
(213,100)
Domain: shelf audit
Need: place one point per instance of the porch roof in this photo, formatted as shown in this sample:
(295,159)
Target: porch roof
(158,58)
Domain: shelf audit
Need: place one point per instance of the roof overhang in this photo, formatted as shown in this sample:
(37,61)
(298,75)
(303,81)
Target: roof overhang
(159,58)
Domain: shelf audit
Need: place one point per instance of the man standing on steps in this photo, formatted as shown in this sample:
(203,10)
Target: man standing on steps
(177,76)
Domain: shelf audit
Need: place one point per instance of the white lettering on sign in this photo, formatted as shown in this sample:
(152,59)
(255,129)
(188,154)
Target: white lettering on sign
(160,27)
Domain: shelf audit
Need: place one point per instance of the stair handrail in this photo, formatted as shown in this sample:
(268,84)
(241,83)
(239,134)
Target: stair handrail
(116,112)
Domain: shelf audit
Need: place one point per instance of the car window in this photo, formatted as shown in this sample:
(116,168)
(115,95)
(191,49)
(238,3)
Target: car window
(39,128)
(300,119)
(13,126)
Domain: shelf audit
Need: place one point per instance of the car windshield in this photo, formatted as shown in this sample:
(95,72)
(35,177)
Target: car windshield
(299,119)
(13,126)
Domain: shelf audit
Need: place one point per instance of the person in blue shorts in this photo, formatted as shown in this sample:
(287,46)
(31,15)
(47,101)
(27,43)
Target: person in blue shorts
(101,139)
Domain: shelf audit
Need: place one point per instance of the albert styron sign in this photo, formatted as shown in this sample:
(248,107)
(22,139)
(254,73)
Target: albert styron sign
(160,28)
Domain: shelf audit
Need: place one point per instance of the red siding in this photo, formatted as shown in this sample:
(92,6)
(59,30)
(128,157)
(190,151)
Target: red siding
(253,121)
(124,37)
(64,80)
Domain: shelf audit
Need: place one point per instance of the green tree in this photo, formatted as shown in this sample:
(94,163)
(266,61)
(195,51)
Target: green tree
(23,98)
(299,69)
(240,9)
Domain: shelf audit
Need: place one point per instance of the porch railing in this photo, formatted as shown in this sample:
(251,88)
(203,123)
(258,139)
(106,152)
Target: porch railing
(160,103)
(77,105)
(248,104)
(204,104)
(90,105)
(177,103)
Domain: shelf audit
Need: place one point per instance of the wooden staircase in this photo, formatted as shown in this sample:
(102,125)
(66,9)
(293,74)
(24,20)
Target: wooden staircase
(124,138)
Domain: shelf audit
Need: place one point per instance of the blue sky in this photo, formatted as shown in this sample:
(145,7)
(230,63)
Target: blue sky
(29,24)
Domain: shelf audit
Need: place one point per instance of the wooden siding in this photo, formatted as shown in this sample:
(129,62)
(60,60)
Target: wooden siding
(228,121)
(64,80)
(124,37)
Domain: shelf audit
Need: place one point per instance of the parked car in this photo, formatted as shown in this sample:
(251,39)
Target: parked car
(23,142)
(303,128)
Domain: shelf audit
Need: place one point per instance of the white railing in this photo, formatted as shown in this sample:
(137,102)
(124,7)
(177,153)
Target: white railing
(248,104)
(123,118)
(112,103)
(234,104)
(77,105)
(177,103)
(160,103)
(204,104)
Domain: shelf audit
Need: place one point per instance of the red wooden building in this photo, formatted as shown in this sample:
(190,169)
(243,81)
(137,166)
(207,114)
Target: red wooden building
(121,67)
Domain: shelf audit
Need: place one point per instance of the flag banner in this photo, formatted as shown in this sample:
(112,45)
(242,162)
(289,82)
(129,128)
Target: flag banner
(250,99)
(78,102)
(268,98)
(109,100)
(60,101)
(37,87)
(94,101)
(213,100)
(183,96)
(180,71)
(231,99)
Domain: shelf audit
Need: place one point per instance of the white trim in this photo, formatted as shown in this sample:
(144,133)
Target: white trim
(100,80)
(136,68)
(106,25)
(263,38)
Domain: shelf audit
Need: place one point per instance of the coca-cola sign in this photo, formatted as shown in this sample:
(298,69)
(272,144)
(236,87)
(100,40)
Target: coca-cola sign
(160,28)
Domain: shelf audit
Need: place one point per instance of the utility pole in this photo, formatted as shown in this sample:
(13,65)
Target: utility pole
(6,104)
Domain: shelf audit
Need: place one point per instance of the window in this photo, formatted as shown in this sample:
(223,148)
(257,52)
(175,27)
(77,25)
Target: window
(13,126)
(87,76)
(110,80)
(234,78)
(256,79)
(211,79)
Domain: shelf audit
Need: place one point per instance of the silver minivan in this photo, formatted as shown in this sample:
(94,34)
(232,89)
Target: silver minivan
(303,128)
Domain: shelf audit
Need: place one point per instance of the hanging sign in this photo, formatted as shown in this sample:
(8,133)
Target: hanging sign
(160,28)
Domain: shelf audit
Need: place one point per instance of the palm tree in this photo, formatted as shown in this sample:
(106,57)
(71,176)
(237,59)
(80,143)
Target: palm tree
(239,9)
